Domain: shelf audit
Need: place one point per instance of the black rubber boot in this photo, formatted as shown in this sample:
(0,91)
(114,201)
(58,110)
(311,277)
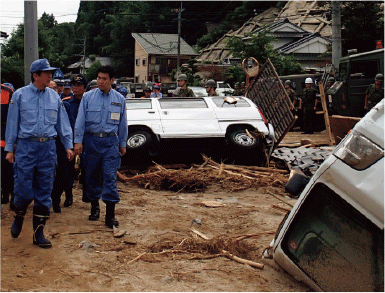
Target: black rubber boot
(69,199)
(38,222)
(110,215)
(95,211)
(18,223)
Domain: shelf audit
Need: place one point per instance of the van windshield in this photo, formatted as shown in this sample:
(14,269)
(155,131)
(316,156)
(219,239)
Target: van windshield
(335,245)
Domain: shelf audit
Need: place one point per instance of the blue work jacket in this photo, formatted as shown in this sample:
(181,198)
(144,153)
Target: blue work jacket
(102,113)
(37,113)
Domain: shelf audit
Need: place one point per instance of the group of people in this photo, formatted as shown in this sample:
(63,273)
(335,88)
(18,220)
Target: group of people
(306,105)
(44,132)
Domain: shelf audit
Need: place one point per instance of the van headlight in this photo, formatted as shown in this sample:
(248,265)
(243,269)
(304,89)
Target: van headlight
(358,151)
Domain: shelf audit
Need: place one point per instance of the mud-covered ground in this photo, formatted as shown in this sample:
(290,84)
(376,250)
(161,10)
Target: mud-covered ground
(159,251)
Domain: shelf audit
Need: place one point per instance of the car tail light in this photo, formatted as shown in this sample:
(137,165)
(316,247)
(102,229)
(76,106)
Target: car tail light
(358,151)
(263,117)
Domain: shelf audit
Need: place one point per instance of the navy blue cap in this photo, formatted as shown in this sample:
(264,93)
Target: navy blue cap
(67,84)
(41,65)
(122,90)
(79,79)
(10,85)
(59,81)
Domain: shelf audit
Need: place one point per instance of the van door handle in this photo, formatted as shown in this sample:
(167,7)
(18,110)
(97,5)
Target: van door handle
(151,112)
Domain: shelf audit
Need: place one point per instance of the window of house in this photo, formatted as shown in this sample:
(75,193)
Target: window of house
(144,61)
(137,61)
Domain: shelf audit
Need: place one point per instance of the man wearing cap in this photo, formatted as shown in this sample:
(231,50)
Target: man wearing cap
(147,93)
(183,90)
(243,88)
(92,85)
(329,84)
(237,91)
(35,116)
(156,93)
(122,90)
(211,87)
(101,126)
(65,171)
(375,92)
(67,92)
(58,77)
(309,106)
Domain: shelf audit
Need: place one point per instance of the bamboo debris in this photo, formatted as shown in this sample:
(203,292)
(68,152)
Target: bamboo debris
(198,177)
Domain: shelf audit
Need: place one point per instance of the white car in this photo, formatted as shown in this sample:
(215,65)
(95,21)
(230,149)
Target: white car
(152,122)
(333,238)
(224,89)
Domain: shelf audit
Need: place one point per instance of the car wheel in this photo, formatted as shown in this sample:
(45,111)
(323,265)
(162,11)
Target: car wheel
(138,140)
(240,139)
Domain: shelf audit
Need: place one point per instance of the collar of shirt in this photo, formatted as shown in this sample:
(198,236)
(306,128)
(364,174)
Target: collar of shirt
(35,90)
(102,93)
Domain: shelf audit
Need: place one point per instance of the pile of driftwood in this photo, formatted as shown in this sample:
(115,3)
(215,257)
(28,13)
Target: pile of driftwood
(196,178)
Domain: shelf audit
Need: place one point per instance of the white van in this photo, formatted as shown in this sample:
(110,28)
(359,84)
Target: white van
(333,238)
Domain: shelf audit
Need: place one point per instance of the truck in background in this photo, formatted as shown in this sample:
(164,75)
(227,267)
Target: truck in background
(356,72)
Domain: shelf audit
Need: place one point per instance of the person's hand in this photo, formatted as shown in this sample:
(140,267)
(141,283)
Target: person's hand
(122,151)
(70,154)
(10,157)
(315,108)
(78,148)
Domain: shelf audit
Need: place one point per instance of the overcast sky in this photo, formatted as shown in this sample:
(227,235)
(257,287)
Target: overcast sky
(12,12)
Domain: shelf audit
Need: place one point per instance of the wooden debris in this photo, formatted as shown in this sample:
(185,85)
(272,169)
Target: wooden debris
(198,177)
(213,204)
(230,255)
(307,142)
(280,208)
(284,201)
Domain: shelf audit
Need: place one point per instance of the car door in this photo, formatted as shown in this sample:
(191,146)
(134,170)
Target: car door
(187,118)
(143,112)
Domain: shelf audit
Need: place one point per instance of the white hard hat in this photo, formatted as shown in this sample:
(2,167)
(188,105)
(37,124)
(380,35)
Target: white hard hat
(308,80)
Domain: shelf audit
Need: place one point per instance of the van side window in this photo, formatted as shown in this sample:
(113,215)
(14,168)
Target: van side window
(132,104)
(336,245)
(182,103)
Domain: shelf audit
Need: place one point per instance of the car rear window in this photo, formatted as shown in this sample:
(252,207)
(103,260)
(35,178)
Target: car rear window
(182,103)
(132,104)
(219,102)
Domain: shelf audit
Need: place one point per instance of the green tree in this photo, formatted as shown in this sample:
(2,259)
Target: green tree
(92,70)
(258,46)
(362,25)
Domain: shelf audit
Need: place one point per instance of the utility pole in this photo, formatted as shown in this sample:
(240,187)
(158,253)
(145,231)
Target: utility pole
(179,31)
(336,33)
(83,52)
(30,37)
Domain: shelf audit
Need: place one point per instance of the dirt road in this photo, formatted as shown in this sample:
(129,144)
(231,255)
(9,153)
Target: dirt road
(159,251)
(155,221)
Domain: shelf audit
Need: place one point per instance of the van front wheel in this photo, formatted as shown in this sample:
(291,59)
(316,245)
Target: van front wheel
(138,140)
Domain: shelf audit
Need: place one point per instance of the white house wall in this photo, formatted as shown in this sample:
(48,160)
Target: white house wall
(316,45)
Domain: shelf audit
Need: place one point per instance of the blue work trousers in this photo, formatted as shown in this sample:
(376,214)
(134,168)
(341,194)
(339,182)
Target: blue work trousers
(34,168)
(102,160)
(65,173)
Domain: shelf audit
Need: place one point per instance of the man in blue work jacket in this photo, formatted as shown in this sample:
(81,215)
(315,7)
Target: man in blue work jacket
(65,171)
(102,125)
(35,116)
